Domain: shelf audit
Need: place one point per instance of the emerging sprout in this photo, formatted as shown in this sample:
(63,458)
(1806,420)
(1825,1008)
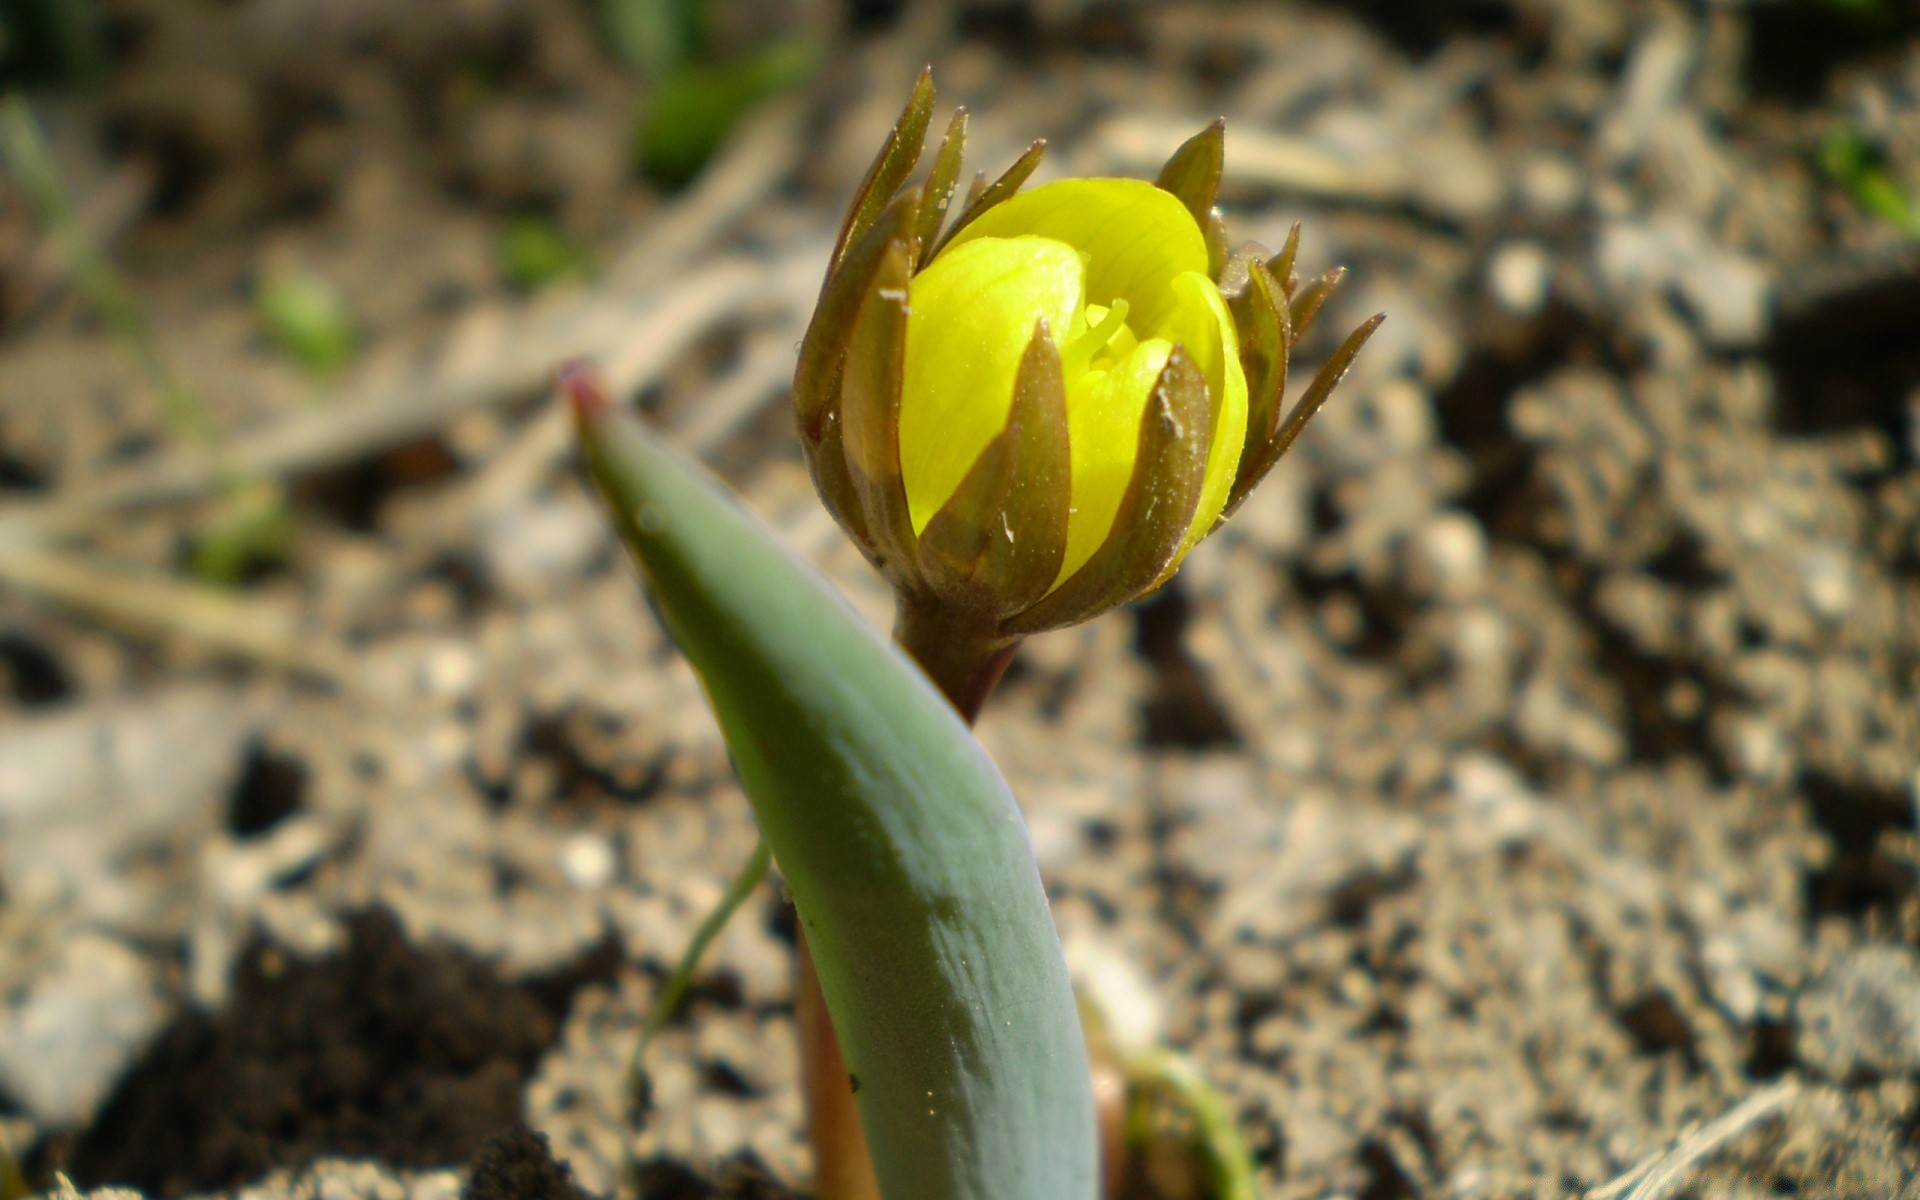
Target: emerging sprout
(1032,417)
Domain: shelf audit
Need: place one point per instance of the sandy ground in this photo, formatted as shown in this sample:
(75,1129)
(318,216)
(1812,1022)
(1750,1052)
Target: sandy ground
(1523,781)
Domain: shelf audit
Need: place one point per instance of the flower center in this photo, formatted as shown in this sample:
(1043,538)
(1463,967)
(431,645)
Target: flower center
(1105,338)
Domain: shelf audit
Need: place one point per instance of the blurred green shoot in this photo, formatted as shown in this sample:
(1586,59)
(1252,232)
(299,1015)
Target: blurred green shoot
(1165,1087)
(693,107)
(676,985)
(652,38)
(250,527)
(250,523)
(306,317)
(1851,161)
(24,152)
(534,252)
(52,41)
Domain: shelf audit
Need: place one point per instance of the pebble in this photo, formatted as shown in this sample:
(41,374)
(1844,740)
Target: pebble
(528,549)
(77,1028)
(1826,581)
(1550,185)
(79,788)
(1864,1017)
(1448,555)
(588,861)
(1748,950)
(1726,293)
(1520,274)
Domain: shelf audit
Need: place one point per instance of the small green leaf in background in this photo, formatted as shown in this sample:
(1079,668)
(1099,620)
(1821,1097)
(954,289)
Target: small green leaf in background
(307,318)
(906,855)
(534,252)
(249,530)
(692,108)
(1853,162)
(651,37)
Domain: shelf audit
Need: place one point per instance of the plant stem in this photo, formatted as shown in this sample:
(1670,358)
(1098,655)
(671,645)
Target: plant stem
(965,666)
(842,1165)
(964,663)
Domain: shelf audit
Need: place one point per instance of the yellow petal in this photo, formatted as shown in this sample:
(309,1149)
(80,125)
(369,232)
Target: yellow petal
(1104,410)
(1137,238)
(971,314)
(1204,325)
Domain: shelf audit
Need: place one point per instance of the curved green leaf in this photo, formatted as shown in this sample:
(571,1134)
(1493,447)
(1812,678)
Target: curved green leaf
(906,855)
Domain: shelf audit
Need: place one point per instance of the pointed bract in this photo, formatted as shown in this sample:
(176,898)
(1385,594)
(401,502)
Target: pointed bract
(1001,188)
(996,546)
(827,463)
(1263,322)
(870,412)
(1308,301)
(823,349)
(1214,229)
(1193,173)
(937,192)
(1280,266)
(1155,512)
(1324,381)
(896,161)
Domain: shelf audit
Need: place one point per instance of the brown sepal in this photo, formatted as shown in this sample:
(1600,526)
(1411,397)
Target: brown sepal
(1214,230)
(1000,189)
(1307,302)
(823,349)
(1193,173)
(996,545)
(937,192)
(1253,470)
(1280,266)
(896,160)
(870,387)
(1261,316)
(1155,513)
(827,463)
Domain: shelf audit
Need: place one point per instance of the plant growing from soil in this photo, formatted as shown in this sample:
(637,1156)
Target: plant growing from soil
(1024,416)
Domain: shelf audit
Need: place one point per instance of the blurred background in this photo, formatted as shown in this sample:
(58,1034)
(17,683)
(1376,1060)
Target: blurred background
(1526,778)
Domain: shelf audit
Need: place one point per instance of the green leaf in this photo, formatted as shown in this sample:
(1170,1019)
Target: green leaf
(534,252)
(1860,167)
(696,105)
(674,988)
(907,858)
(307,317)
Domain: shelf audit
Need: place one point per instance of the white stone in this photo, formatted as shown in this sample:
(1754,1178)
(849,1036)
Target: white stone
(588,861)
(1520,275)
(1448,555)
(1826,579)
(69,1038)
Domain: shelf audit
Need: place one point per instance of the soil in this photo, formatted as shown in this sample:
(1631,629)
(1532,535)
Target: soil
(519,1165)
(1524,781)
(415,1057)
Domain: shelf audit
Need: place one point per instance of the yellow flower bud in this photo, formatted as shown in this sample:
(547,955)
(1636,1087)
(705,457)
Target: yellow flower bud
(1032,417)
(1117,269)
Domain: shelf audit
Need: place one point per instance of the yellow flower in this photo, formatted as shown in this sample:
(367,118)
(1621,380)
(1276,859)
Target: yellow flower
(1117,269)
(1032,416)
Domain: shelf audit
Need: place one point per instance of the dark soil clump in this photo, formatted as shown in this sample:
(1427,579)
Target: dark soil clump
(415,1057)
(667,1180)
(519,1165)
